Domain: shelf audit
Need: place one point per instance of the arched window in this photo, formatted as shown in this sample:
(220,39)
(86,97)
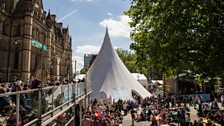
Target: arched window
(5,28)
(18,30)
(33,33)
(37,34)
(45,38)
(2,3)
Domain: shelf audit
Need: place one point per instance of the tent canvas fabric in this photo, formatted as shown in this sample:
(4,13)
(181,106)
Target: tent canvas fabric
(141,78)
(108,72)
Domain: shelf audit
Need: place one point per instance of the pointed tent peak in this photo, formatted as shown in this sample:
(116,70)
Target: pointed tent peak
(107,33)
(107,37)
(106,28)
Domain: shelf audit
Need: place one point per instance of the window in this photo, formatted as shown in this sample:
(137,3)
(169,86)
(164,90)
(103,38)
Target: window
(16,59)
(18,30)
(33,33)
(37,34)
(2,3)
(4,30)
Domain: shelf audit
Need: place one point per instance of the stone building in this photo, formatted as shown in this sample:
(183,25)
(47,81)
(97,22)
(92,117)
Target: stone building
(22,23)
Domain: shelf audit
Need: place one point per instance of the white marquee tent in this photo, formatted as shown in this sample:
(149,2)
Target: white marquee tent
(109,78)
(141,78)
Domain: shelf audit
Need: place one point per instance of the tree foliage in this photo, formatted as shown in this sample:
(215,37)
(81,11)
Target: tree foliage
(129,59)
(177,35)
(84,70)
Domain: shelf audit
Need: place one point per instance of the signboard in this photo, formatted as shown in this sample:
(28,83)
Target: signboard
(45,47)
(39,45)
(205,97)
(121,93)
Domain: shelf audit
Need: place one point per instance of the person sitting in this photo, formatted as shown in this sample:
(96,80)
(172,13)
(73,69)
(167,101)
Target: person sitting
(214,105)
(222,99)
(140,117)
(5,103)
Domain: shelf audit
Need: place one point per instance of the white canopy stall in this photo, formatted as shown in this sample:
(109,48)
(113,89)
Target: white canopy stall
(109,77)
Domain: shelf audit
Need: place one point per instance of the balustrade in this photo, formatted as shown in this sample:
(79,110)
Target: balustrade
(21,107)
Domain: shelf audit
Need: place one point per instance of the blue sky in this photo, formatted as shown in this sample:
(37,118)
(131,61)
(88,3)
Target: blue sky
(87,20)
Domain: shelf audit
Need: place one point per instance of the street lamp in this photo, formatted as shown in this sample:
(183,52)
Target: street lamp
(9,44)
(164,86)
(74,96)
(21,58)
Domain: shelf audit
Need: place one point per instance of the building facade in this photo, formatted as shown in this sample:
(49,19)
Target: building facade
(89,59)
(23,22)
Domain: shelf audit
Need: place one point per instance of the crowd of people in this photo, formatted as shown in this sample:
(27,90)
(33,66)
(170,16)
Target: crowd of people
(170,110)
(102,114)
(8,102)
(28,109)
(159,111)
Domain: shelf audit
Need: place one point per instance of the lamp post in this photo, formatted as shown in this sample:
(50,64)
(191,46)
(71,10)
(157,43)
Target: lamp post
(21,58)
(41,89)
(17,54)
(85,89)
(74,96)
(164,86)
(68,76)
(9,45)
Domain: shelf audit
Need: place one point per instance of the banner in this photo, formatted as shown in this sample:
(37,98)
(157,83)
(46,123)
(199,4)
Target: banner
(121,93)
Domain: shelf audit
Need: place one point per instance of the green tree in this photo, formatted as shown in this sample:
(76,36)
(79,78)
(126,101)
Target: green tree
(129,59)
(84,70)
(177,35)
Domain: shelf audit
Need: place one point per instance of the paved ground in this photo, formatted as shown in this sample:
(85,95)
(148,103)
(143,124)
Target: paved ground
(127,119)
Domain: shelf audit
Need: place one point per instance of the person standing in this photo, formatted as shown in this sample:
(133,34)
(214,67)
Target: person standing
(86,121)
(222,100)
(96,122)
(187,119)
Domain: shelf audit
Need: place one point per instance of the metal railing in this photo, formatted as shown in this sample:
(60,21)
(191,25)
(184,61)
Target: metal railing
(22,106)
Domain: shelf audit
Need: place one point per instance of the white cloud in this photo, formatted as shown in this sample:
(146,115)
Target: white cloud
(79,63)
(77,58)
(110,14)
(118,28)
(80,51)
(87,49)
